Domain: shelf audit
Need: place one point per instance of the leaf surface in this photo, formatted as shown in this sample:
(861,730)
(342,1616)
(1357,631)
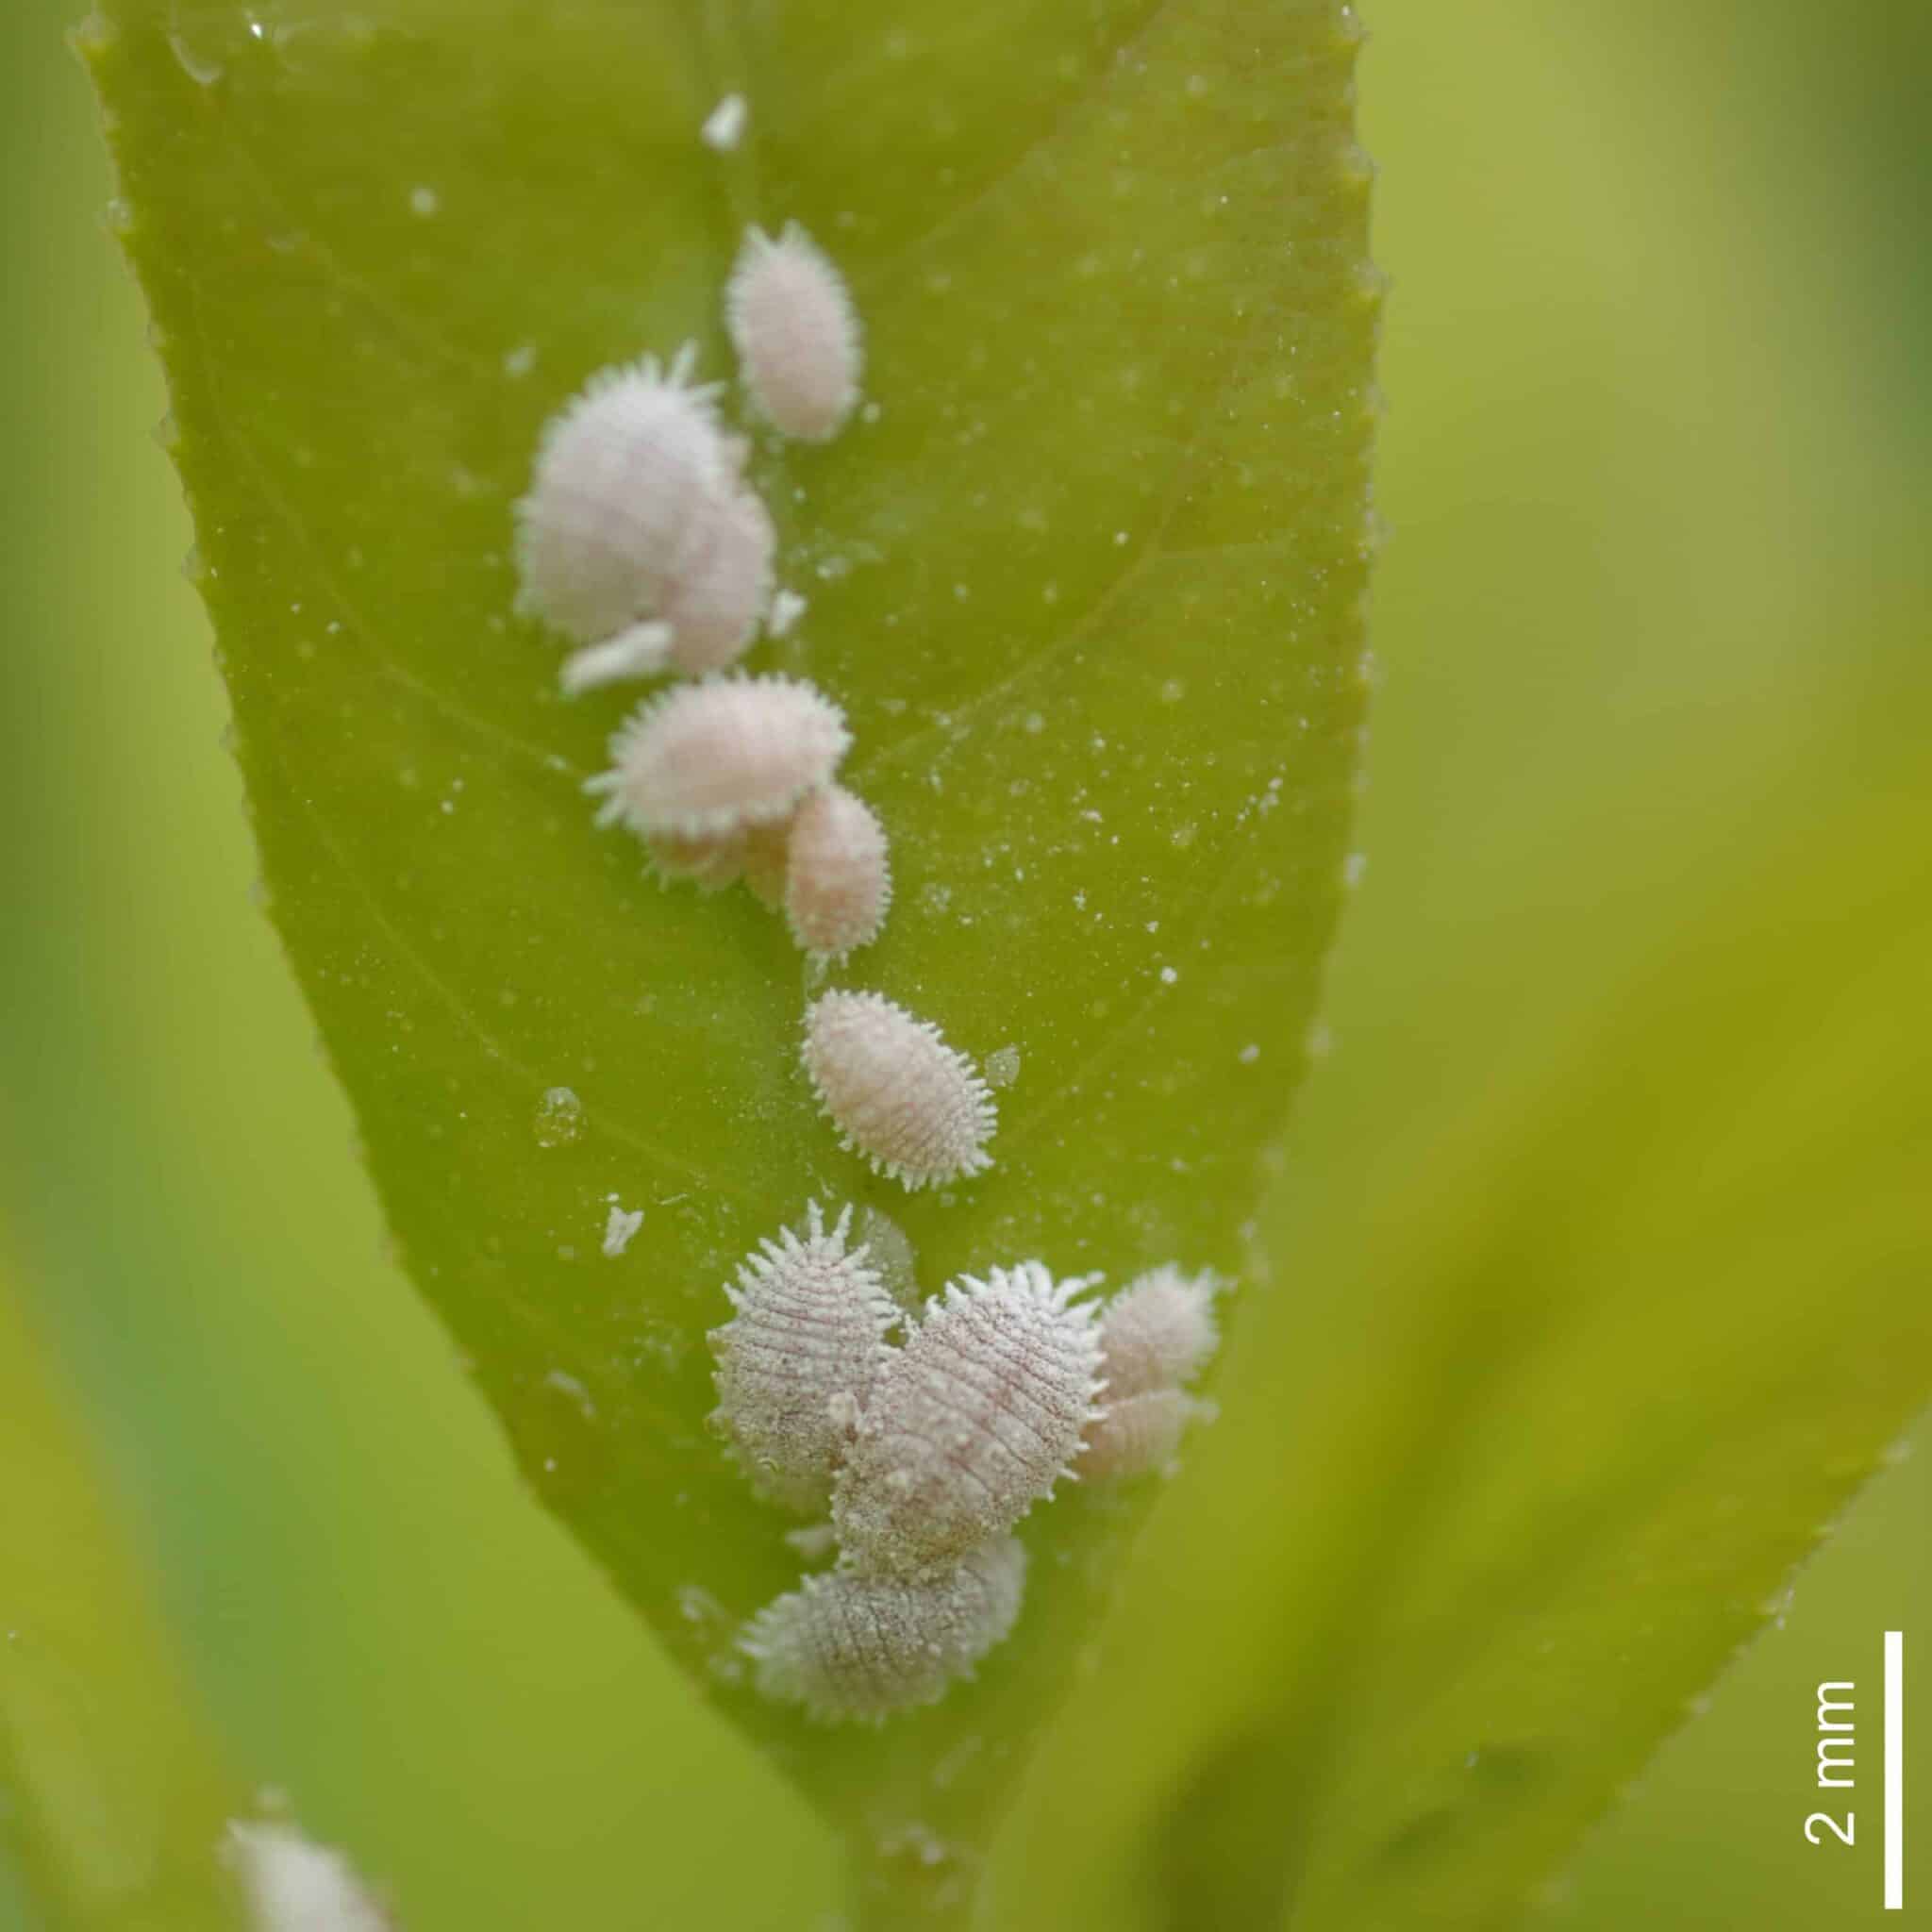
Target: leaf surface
(1088,578)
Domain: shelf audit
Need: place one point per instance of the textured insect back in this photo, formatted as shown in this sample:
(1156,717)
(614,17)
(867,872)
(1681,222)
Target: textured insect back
(1155,1335)
(800,1357)
(711,757)
(970,1422)
(620,472)
(791,319)
(710,862)
(838,878)
(898,1094)
(294,1884)
(848,1645)
(1159,1331)
(716,598)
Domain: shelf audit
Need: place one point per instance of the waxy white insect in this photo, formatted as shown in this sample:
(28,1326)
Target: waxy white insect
(848,1645)
(711,861)
(730,752)
(1156,1334)
(791,319)
(799,1359)
(1159,1331)
(294,1884)
(623,471)
(898,1094)
(1138,1434)
(838,878)
(970,1422)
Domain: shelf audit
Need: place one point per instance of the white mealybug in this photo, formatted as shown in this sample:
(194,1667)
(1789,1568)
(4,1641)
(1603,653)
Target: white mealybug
(711,861)
(898,1094)
(718,595)
(848,1645)
(622,473)
(1139,1433)
(791,319)
(838,880)
(1159,1331)
(971,1421)
(799,1357)
(709,757)
(1156,1334)
(295,1885)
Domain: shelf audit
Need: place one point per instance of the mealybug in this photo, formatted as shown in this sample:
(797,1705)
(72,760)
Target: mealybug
(838,880)
(710,863)
(622,473)
(295,1885)
(797,1360)
(709,757)
(791,319)
(898,1094)
(1138,1434)
(970,1422)
(1159,1331)
(852,1646)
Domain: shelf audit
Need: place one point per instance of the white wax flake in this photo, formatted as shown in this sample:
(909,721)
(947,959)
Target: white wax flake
(1168,975)
(1002,1066)
(294,1884)
(788,607)
(724,125)
(619,1226)
(520,361)
(424,201)
(1249,1055)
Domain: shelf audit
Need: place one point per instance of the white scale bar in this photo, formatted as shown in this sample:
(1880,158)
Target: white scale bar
(1894,1771)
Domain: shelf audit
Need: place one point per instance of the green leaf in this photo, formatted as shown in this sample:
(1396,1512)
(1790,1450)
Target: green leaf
(1557,1434)
(1089,586)
(114,1795)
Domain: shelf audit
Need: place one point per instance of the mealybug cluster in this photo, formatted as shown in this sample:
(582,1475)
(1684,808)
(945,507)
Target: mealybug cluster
(918,1442)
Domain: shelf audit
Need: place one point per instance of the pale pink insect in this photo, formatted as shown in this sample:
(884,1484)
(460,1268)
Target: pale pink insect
(791,319)
(970,1422)
(1139,1434)
(704,758)
(848,1645)
(622,471)
(799,1357)
(1156,1334)
(837,876)
(898,1094)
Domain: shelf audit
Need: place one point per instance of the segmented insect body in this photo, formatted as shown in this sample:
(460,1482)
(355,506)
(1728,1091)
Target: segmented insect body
(791,319)
(1137,1434)
(710,863)
(294,1884)
(717,595)
(1156,1334)
(704,758)
(849,1645)
(622,473)
(898,1094)
(800,1357)
(838,878)
(970,1422)
(1159,1331)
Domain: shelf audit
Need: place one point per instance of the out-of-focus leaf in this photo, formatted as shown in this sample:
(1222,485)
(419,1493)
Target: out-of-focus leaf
(1090,585)
(113,1793)
(1497,1502)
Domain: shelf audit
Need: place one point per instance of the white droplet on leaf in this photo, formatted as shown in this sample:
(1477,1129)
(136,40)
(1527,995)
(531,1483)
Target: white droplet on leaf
(724,125)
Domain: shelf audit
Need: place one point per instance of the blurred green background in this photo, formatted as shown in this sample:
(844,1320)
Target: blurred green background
(1656,471)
